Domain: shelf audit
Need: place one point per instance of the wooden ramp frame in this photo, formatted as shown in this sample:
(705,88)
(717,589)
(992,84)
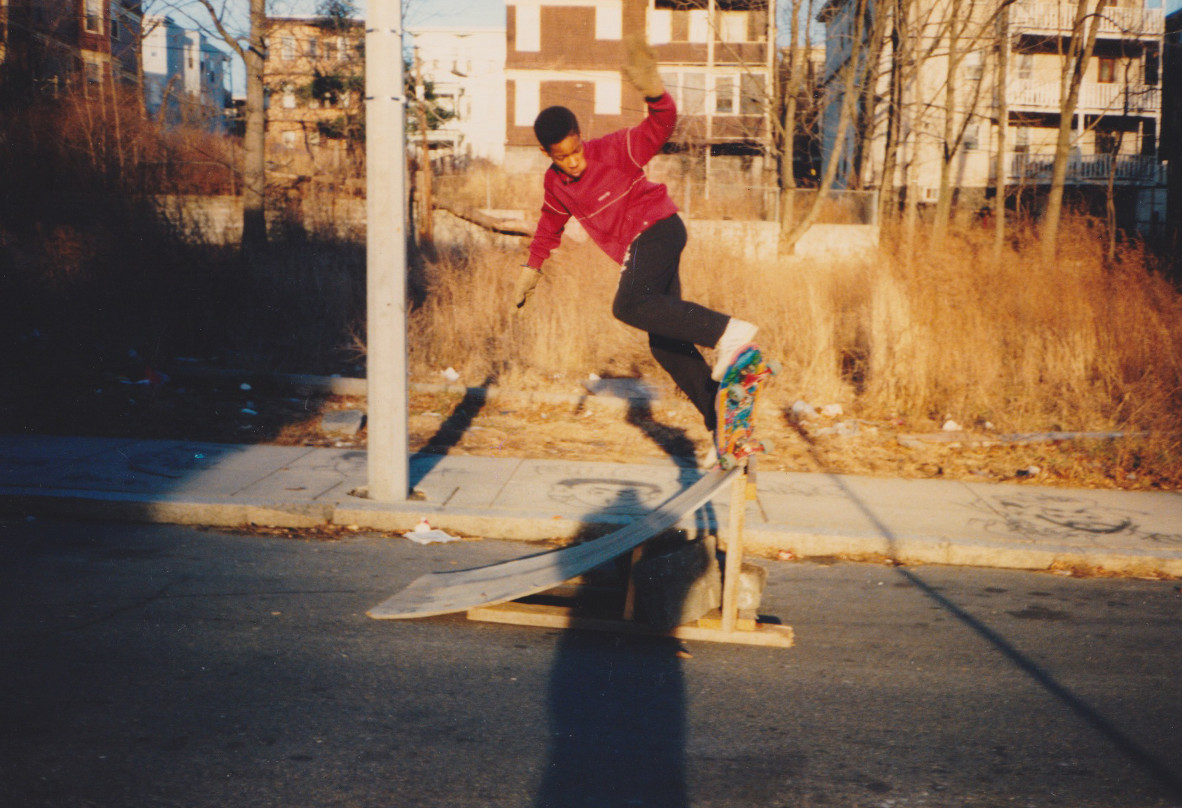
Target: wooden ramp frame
(485,592)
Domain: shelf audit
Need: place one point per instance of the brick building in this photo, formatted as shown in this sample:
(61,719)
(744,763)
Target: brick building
(713,54)
(314,82)
(57,45)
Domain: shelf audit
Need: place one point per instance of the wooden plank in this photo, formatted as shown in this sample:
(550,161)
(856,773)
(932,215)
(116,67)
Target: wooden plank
(734,553)
(565,617)
(458,591)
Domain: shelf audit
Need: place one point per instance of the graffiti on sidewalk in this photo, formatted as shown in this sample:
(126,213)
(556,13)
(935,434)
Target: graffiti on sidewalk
(1064,516)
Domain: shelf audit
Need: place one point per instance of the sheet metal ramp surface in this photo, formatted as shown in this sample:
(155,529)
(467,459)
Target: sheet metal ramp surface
(485,592)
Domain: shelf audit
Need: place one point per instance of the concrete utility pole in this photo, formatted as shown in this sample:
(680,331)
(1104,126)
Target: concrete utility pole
(385,209)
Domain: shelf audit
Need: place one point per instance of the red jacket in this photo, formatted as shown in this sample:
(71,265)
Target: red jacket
(613,199)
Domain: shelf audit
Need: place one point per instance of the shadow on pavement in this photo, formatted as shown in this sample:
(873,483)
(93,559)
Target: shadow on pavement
(617,705)
(616,708)
(1167,778)
(450,432)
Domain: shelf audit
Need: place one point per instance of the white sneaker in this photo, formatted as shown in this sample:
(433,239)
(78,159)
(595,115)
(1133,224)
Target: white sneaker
(738,333)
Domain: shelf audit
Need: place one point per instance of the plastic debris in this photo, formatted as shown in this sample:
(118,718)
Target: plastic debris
(244,387)
(952,426)
(832,410)
(423,533)
(450,374)
(802,410)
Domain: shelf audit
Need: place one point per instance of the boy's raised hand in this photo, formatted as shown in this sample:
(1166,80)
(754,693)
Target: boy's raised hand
(641,67)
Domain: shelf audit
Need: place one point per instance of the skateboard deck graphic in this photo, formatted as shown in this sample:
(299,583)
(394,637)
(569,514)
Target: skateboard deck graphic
(460,590)
(738,394)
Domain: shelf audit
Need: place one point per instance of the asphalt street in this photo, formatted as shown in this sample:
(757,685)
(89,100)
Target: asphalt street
(157,665)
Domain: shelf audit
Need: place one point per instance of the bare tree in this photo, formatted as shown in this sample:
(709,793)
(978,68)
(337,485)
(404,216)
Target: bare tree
(853,71)
(1003,125)
(1079,53)
(254,181)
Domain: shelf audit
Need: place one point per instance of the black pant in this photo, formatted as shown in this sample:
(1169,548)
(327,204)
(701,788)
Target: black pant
(649,298)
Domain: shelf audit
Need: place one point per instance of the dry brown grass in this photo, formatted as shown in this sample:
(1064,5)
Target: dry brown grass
(1025,346)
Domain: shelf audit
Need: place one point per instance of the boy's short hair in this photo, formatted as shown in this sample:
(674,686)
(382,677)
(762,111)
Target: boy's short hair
(554,125)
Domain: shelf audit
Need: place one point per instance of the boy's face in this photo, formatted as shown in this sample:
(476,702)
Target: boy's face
(567,155)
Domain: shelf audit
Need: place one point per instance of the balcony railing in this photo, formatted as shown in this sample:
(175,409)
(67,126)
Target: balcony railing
(1060,17)
(1110,99)
(1131,169)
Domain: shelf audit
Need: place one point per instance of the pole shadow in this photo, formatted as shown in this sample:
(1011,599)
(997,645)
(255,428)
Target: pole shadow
(1169,780)
(450,432)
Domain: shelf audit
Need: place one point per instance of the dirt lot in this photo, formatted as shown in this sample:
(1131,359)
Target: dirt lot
(564,422)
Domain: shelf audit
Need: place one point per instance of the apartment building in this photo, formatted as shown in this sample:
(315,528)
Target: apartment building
(466,68)
(184,75)
(1171,141)
(56,45)
(1116,123)
(716,58)
(314,79)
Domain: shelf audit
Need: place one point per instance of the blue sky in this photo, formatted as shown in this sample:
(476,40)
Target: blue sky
(418,13)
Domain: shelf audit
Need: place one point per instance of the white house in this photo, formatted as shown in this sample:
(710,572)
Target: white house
(466,67)
(183,74)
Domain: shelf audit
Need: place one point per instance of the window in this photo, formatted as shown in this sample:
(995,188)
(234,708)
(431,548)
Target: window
(609,21)
(724,95)
(1025,66)
(289,99)
(94,76)
(94,16)
(660,26)
(1152,68)
(527,100)
(1107,71)
(529,28)
(972,137)
(974,65)
(607,96)
(734,26)
(688,89)
(312,49)
(1021,139)
(752,98)
(288,53)
(1107,143)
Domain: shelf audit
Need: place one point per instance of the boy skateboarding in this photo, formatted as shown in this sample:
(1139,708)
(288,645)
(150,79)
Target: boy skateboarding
(601,182)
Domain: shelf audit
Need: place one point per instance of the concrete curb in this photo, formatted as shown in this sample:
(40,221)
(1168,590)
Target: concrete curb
(537,527)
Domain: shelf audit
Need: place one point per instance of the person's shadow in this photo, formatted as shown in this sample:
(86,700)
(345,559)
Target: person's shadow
(617,703)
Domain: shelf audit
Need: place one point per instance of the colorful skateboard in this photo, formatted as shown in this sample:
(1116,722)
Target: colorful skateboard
(738,393)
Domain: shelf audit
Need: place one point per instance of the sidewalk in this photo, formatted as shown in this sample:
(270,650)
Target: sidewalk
(910,521)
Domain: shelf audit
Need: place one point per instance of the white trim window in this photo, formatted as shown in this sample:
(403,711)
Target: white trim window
(607,96)
(529,28)
(93,14)
(660,26)
(733,26)
(609,21)
(527,101)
